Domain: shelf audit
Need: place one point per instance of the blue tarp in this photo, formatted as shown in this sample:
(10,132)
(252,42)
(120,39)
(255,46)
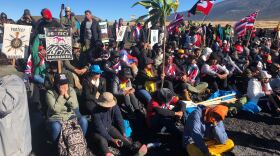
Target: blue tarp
(220,93)
(251,107)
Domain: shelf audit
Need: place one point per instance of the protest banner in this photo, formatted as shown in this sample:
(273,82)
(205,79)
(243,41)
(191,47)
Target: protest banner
(121,32)
(104,32)
(58,44)
(154,37)
(16,40)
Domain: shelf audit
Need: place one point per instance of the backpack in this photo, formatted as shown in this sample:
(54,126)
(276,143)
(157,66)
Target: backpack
(71,141)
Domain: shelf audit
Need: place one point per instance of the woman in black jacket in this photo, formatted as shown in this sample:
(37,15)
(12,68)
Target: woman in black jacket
(93,86)
(146,81)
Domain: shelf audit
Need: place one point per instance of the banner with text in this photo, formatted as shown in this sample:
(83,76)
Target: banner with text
(16,40)
(58,44)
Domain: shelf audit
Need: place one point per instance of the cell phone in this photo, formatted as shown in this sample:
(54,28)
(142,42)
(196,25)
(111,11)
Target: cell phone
(62,6)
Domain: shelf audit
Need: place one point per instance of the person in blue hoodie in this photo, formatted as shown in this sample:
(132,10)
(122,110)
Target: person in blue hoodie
(206,123)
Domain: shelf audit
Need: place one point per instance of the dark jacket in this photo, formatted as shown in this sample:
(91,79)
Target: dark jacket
(90,92)
(103,119)
(42,23)
(95,30)
(79,61)
(142,78)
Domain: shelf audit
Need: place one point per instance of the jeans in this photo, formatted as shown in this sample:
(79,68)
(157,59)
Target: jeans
(102,143)
(39,79)
(54,128)
(143,94)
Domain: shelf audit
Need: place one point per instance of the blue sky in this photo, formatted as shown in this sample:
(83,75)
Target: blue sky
(105,9)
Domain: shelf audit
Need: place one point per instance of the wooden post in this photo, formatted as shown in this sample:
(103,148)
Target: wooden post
(163,60)
(59,66)
(14,62)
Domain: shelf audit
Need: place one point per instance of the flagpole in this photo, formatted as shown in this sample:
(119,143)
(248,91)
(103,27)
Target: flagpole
(204,18)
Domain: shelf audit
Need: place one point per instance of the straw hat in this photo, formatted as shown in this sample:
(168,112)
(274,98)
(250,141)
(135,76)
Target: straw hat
(107,100)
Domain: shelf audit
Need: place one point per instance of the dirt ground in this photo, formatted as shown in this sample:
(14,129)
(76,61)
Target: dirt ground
(254,134)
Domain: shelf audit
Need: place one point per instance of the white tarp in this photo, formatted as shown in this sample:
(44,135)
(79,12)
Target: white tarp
(16,40)
(121,33)
(15,131)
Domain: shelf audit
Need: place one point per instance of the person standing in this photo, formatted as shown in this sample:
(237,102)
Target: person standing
(68,21)
(90,31)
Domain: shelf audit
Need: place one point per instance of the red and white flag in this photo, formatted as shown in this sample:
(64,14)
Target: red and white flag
(203,6)
(178,19)
(245,23)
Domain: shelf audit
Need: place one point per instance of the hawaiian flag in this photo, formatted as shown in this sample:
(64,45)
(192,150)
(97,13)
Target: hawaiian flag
(245,23)
(203,6)
(176,22)
(251,20)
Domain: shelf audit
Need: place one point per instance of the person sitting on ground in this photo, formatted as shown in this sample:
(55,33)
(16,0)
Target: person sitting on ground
(180,60)
(98,55)
(93,86)
(207,123)
(38,58)
(79,64)
(260,92)
(147,80)
(62,106)
(122,88)
(108,127)
(164,110)
(214,74)
(171,72)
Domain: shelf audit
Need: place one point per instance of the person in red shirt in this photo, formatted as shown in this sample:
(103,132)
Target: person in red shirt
(165,110)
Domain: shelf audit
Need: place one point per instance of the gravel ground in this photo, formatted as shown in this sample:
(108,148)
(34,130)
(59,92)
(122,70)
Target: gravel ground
(254,134)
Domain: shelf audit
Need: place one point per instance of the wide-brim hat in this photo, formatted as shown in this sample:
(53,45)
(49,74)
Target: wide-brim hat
(106,100)
(265,75)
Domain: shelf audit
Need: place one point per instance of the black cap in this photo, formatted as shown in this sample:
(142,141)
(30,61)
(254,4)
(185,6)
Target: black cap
(149,61)
(126,72)
(60,79)
(26,12)
(115,54)
(165,95)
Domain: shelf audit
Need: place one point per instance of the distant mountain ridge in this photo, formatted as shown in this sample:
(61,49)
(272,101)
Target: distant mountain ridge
(233,10)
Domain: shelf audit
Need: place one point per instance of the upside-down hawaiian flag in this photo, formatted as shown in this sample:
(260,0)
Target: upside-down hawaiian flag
(245,23)
(203,6)
(177,21)
(251,20)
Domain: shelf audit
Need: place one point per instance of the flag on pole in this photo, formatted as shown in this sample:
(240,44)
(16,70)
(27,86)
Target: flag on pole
(202,6)
(177,21)
(245,23)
